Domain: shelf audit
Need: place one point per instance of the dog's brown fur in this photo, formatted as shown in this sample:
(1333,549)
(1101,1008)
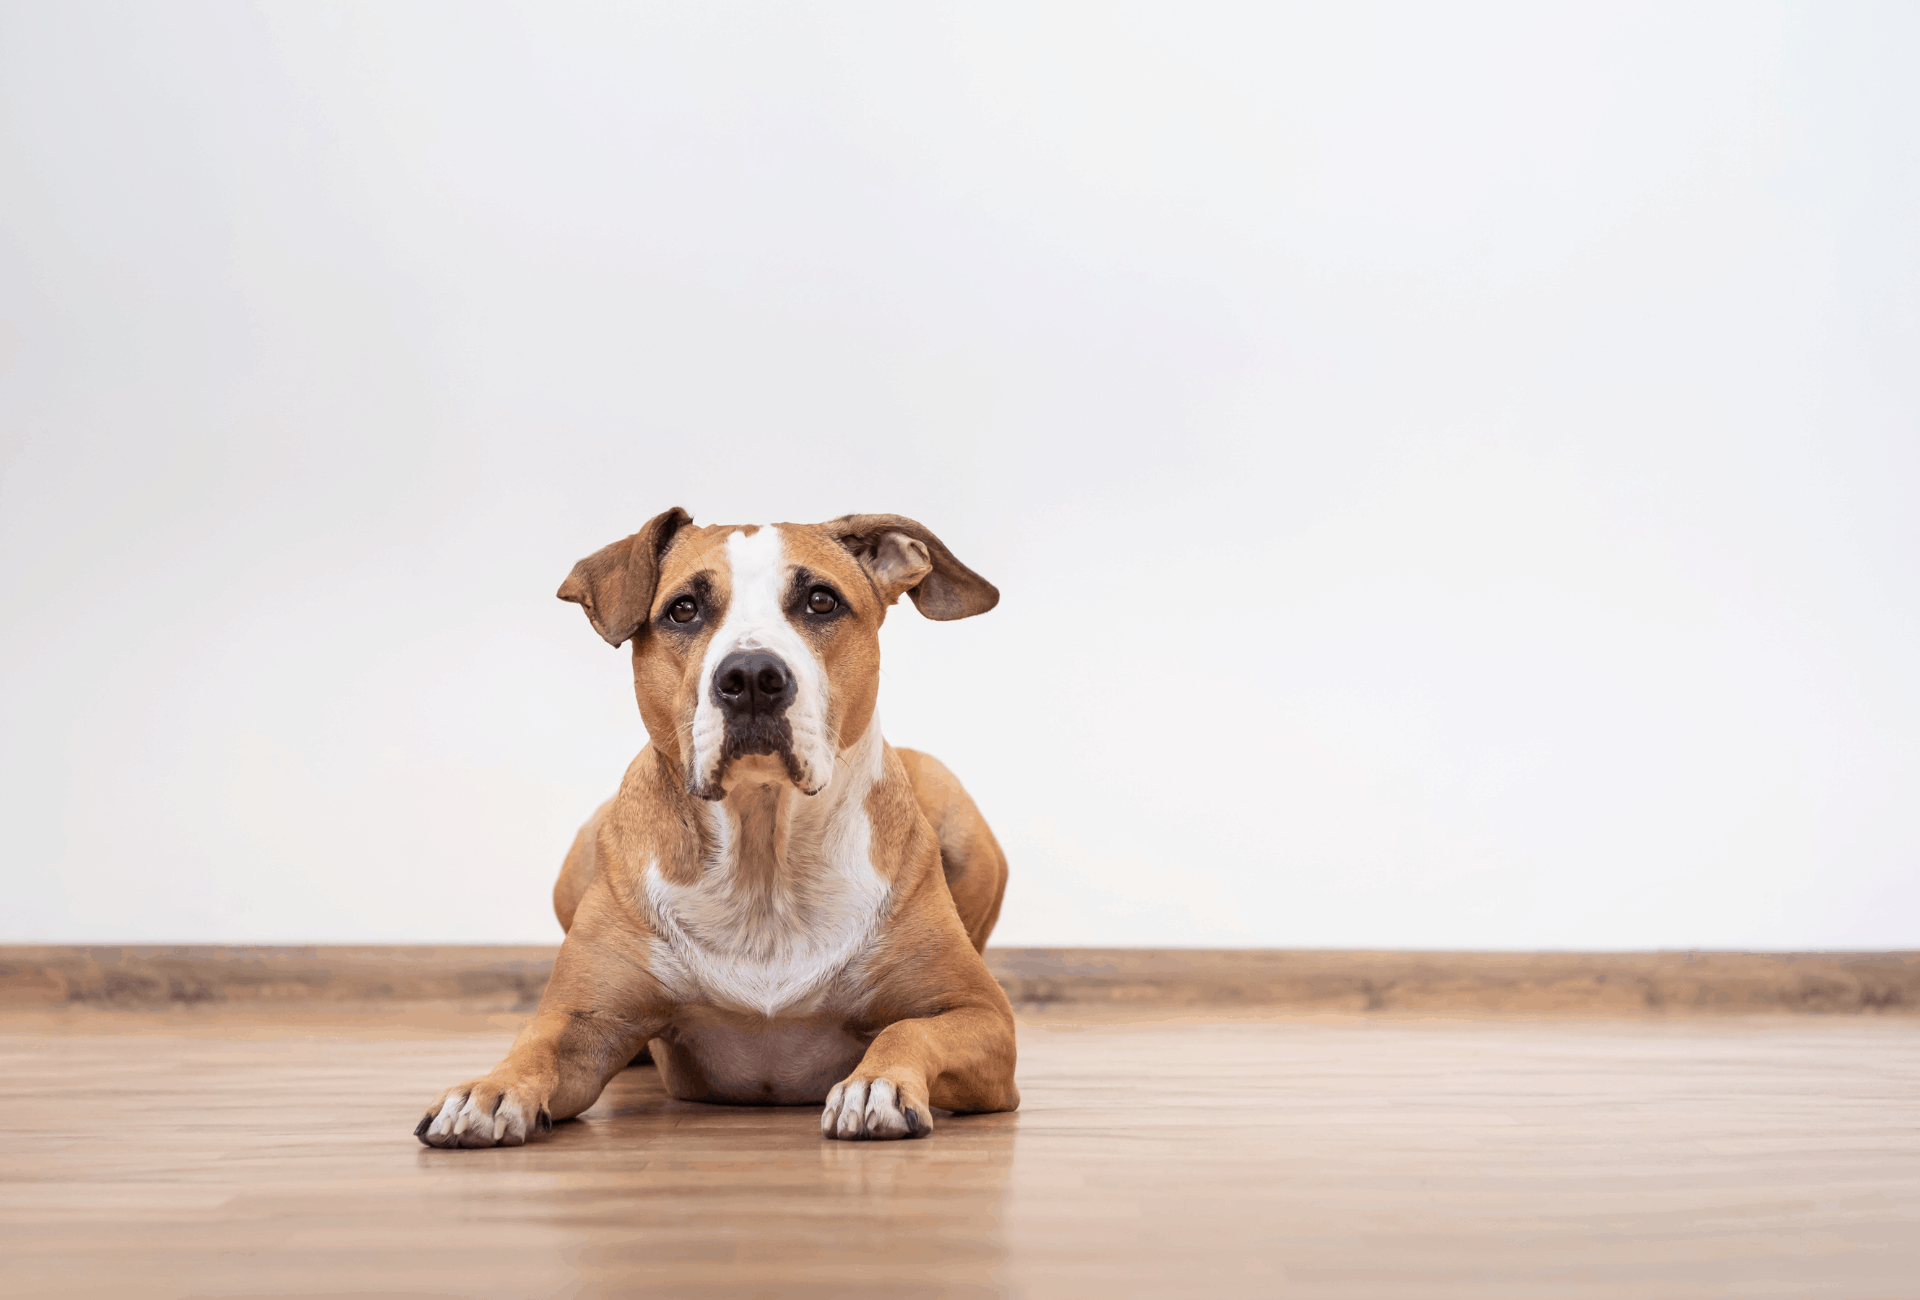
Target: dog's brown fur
(917,1010)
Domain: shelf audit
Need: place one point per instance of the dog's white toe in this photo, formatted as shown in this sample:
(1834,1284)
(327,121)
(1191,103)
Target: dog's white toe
(871,1109)
(481,1115)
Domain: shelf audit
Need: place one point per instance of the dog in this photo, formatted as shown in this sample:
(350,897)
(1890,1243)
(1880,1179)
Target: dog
(778,907)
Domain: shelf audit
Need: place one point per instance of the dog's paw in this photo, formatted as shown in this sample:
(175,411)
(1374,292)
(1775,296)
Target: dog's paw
(875,1109)
(483,1114)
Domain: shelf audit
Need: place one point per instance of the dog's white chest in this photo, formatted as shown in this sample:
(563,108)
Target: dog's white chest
(775,943)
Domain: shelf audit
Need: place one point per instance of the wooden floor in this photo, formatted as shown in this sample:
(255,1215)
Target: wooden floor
(1338,1158)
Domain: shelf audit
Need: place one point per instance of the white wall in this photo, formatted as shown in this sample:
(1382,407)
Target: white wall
(1451,469)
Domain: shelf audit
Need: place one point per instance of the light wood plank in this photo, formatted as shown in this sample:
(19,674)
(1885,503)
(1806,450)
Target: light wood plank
(1218,1158)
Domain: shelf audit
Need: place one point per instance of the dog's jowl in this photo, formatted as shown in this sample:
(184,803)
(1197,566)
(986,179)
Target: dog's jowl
(778,904)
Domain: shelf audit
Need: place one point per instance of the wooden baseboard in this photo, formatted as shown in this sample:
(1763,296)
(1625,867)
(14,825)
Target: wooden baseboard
(504,977)
(1522,983)
(510,978)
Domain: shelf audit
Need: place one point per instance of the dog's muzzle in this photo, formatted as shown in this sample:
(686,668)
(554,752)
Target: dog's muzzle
(752,689)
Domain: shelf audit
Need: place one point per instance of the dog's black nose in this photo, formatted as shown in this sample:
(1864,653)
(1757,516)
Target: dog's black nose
(752,684)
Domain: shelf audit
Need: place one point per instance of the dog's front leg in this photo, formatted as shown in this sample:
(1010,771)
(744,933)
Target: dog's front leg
(600,1007)
(961,1059)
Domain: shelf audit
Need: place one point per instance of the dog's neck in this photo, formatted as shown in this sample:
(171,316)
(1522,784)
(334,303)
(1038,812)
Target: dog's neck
(785,891)
(766,833)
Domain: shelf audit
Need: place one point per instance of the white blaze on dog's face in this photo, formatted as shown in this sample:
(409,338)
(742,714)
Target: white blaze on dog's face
(766,694)
(756,649)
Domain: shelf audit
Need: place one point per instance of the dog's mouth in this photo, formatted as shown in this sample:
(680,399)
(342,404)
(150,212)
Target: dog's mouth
(760,738)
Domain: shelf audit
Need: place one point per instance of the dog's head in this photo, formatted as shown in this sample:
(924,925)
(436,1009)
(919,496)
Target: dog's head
(756,649)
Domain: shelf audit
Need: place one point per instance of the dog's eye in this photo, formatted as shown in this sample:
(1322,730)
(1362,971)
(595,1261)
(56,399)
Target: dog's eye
(683,610)
(822,601)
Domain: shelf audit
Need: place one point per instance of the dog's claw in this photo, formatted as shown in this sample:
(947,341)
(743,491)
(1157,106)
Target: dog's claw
(420,1129)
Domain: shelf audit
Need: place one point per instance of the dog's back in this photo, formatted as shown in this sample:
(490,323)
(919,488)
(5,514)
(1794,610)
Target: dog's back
(970,857)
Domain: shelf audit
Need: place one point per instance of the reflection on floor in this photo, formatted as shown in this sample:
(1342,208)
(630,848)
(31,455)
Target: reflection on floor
(1192,1158)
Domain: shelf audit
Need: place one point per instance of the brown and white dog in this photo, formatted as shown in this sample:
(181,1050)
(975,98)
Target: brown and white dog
(784,908)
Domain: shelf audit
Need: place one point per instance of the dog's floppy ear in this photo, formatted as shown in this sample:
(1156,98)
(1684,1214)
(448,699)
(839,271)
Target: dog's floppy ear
(615,584)
(904,556)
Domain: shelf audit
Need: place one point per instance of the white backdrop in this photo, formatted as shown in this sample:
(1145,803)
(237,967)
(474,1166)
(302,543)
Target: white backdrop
(1451,469)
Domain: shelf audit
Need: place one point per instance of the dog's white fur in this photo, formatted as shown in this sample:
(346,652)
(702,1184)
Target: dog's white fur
(774,945)
(755,621)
